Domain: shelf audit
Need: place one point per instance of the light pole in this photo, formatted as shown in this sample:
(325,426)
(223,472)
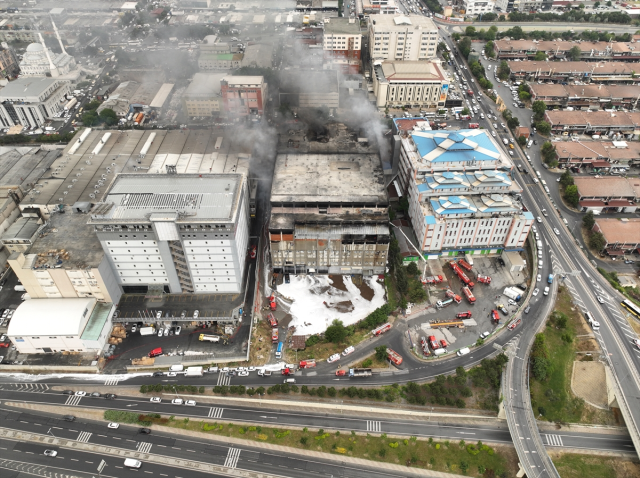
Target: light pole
(424,271)
(49,433)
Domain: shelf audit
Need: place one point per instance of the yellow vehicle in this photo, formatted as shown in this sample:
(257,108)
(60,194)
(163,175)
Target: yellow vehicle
(511,145)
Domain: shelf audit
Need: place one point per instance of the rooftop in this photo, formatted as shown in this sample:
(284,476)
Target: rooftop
(205,55)
(22,88)
(626,231)
(342,26)
(332,178)
(22,230)
(548,68)
(100,314)
(162,95)
(608,186)
(204,85)
(460,146)
(577,150)
(394,22)
(410,71)
(181,198)
(243,80)
(50,317)
(593,118)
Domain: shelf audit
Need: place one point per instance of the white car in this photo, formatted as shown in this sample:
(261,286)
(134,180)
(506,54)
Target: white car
(113,426)
(535,291)
(196,314)
(333,358)
(80,394)
(224,369)
(172,374)
(51,453)
(538,278)
(166,332)
(636,342)
(539,219)
(159,314)
(348,350)
(252,369)
(600,299)
(177,401)
(556,231)
(190,403)
(156,399)
(160,332)
(511,302)
(503,125)
(243,373)
(495,125)
(484,335)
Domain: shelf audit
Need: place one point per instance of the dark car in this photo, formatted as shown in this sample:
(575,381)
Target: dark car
(69,418)
(68,392)
(145,431)
(110,396)
(527,309)
(158,374)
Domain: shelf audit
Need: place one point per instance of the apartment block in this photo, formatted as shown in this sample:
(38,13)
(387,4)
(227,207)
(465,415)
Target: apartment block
(342,45)
(32,101)
(417,84)
(243,95)
(402,37)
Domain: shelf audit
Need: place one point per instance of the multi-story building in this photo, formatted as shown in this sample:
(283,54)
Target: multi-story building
(522,5)
(217,55)
(243,95)
(587,97)
(478,7)
(402,37)
(379,7)
(341,45)
(9,66)
(309,88)
(419,84)
(461,193)
(203,96)
(185,233)
(617,125)
(565,71)
(329,214)
(554,49)
(31,101)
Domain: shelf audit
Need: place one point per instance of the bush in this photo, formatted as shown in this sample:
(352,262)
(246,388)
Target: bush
(367,363)
(123,417)
(311,341)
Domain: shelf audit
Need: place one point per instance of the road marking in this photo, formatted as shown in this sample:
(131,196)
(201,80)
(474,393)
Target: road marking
(84,437)
(223,379)
(215,412)
(553,440)
(144,447)
(232,458)
(374,426)
(111,381)
(73,400)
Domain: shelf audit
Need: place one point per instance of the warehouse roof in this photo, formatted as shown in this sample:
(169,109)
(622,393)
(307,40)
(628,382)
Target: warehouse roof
(44,317)
(608,186)
(25,87)
(161,96)
(621,231)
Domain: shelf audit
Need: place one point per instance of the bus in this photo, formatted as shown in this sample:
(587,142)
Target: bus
(631,307)
(279,350)
(253,193)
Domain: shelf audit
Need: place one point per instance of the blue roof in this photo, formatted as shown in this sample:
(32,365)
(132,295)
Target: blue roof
(429,220)
(455,146)
(528,215)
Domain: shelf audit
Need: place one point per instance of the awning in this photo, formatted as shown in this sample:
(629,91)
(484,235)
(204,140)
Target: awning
(601,164)
(619,203)
(614,252)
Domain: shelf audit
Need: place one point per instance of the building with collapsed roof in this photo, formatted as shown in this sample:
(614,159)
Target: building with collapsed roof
(329,214)
(309,88)
(462,196)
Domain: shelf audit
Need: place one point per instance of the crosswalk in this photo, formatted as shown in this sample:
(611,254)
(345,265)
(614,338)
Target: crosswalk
(144,447)
(111,381)
(215,412)
(374,426)
(84,437)
(25,387)
(73,400)
(232,458)
(553,440)
(223,379)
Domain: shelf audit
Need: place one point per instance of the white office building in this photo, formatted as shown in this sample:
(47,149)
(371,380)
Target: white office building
(31,101)
(478,7)
(184,233)
(402,37)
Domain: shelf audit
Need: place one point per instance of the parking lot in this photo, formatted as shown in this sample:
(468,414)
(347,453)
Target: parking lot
(488,297)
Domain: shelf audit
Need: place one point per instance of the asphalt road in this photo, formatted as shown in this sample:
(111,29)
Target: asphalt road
(346,421)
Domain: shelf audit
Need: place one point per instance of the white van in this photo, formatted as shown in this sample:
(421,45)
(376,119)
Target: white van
(438,352)
(19,288)
(289,380)
(463,351)
(546,291)
(131,463)
(529,143)
(176,368)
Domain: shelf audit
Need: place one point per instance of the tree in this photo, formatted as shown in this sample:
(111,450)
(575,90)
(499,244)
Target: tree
(566,179)
(465,111)
(90,119)
(455,36)
(108,116)
(574,53)
(596,4)
(470,31)
(412,269)
(464,46)
(522,141)
(489,49)
(540,56)
(503,70)
(513,122)
(539,108)
(597,241)
(571,195)
(92,105)
(548,153)
(417,295)
(588,221)
(609,3)
(381,352)
(524,96)
(489,17)
(543,128)
(336,332)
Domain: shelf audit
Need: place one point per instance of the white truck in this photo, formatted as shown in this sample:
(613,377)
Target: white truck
(147,331)
(512,294)
(194,372)
(70,104)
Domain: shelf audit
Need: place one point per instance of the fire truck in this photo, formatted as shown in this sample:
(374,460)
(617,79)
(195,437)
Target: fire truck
(452,295)
(474,125)
(433,342)
(464,264)
(272,321)
(432,280)
(514,324)
(469,295)
(272,303)
(309,363)
(463,277)
(394,357)
(464,315)
(274,336)
(484,279)
(495,316)
(382,329)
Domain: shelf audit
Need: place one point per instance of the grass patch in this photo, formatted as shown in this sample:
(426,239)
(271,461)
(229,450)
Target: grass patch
(584,466)
(119,416)
(631,293)
(322,349)
(473,459)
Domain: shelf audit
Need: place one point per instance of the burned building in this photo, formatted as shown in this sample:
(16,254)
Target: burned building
(329,212)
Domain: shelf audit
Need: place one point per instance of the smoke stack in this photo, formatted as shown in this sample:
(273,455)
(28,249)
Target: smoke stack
(55,29)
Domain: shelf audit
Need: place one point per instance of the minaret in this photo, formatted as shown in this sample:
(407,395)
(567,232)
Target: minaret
(55,29)
(54,70)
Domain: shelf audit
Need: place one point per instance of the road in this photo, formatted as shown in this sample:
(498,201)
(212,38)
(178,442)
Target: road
(345,421)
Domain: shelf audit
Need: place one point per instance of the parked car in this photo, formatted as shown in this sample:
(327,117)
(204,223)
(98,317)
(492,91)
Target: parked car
(333,358)
(156,399)
(113,426)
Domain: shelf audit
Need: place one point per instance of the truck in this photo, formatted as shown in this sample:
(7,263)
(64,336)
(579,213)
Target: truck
(463,315)
(495,317)
(484,279)
(452,295)
(176,368)
(147,331)
(433,342)
(469,295)
(381,330)
(512,294)
(194,372)
(72,102)
(550,279)
(209,338)
(287,371)
(461,275)
(309,363)
(432,280)
(273,322)
(360,372)
(465,265)
(274,336)
(470,92)
(279,350)
(273,305)
(394,357)
(139,117)
(444,303)
(474,125)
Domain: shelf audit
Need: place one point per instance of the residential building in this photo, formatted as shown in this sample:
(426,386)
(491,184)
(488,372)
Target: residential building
(597,154)
(419,84)
(554,49)
(461,193)
(243,95)
(219,61)
(477,7)
(9,66)
(379,7)
(587,97)
(329,214)
(203,96)
(618,125)
(524,6)
(309,88)
(607,194)
(32,101)
(181,233)
(342,45)
(565,71)
(622,235)
(402,37)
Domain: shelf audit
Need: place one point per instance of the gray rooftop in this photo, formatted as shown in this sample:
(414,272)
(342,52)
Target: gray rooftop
(22,230)
(23,166)
(25,87)
(336,178)
(186,197)
(342,25)
(204,85)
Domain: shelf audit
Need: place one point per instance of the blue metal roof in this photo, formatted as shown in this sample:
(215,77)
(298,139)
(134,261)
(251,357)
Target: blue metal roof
(455,146)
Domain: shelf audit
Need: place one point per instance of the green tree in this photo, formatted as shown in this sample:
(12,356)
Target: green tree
(489,49)
(336,332)
(465,111)
(381,352)
(543,128)
(589,220)
(417,295)
(455,36)
(503,70)
(549,154)
(566,179)
(513,122)
(108,116)
(524,96)
(574,53)
(596,4)
(571,195)
(539,108)
(522,141)
(540,56)
(412,269)
(464,46)
(470,31)
(609,3)
(540,358)
(90,119)
(597,241)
